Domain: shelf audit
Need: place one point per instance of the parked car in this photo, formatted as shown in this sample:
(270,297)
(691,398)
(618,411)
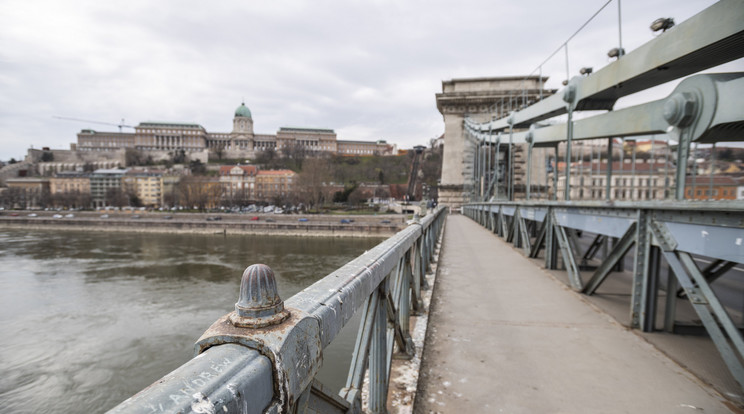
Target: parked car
(69,215)
(302,219)
(270,220)
(215,218)
(168,217)
(345,221)
(385,222)
(254,218)
(104,216)
(33,215)
(136,216)
(57,216)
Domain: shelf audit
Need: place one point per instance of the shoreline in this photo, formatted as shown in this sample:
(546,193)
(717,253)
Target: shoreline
(361,229)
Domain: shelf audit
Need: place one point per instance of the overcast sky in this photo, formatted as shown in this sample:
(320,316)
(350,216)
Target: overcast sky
(367,69)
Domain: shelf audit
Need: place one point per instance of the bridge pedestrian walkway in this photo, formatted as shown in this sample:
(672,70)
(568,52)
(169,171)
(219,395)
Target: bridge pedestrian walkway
(506,336)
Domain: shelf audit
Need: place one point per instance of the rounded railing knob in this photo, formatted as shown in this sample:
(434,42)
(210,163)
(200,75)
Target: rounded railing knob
(259,303)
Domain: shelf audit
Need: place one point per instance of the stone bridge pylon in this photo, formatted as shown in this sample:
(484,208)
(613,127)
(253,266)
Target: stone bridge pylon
(480,99)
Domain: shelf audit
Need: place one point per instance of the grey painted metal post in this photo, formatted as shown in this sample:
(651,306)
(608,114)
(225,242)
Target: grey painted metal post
(353,390)
(550,251)
(569,96)
(670,309)
(619,30)
(652,289)
(651,169)
(712,167)
(633,171)
(591,173)
(693,173)
(683,151)
(418,257)
(580,157)
(640,292)
(403,299)
(481,168)
(569,135)
(667,184)
(555,174)
(529,165)
(541,83)
(680,110)
(489,170)
(498,167)
(622,168)
(378,355)
(511,159)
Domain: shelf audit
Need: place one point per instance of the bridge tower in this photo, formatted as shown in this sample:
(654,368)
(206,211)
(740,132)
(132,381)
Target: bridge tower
(481,99)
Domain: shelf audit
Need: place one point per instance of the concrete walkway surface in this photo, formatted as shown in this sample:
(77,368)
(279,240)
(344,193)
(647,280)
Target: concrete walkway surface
(504,336)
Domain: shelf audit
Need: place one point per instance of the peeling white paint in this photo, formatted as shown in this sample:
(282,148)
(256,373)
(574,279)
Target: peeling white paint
(233,390)
(202,405)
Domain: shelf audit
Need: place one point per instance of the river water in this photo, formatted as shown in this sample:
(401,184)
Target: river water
(89,319)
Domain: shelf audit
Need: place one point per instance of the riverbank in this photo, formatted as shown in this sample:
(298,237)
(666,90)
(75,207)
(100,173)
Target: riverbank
(206,223)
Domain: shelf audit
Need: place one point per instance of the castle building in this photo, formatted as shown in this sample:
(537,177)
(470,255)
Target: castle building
(160,139)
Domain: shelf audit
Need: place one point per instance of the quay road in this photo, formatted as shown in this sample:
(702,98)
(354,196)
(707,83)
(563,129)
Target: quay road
(506,336)
(216,222)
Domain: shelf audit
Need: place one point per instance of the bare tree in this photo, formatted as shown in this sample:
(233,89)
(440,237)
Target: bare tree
(199,192)
(293,156)
(312,188)
(358,196)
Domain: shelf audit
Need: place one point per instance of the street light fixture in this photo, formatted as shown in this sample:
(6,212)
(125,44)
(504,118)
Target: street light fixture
(663,24)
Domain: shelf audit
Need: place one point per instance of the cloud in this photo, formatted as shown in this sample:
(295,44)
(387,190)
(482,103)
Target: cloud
(368,69)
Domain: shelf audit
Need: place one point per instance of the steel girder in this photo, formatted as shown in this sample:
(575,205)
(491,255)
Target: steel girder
(673,230)
(710,38)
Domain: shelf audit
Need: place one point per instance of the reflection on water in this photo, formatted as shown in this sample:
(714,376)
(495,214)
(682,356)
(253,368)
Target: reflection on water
(89,319)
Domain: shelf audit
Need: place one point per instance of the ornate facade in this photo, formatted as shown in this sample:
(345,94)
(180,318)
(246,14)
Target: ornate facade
(162,138)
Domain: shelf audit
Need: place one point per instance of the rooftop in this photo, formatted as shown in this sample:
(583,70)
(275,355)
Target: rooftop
(243,111)
(111,171)
(247,169)
(275,172)
(310,130)
(155,124)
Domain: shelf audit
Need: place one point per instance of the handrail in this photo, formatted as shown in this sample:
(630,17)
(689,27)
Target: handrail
(678,231)
(264,356)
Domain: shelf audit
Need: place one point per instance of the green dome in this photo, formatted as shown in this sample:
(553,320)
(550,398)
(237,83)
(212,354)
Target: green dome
(243,111)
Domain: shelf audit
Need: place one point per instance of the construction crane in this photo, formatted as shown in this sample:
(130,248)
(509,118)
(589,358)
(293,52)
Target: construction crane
(120,124)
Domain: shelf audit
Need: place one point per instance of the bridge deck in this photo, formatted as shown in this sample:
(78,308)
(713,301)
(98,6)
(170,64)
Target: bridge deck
(505,336)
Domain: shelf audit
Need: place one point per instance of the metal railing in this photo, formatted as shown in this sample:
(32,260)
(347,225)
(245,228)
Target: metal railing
(264,356)
(652,214)
(702,109)
(679,232)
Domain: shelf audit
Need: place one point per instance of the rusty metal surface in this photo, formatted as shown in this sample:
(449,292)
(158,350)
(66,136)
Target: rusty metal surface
(282,345)
(293,347)
(229,378)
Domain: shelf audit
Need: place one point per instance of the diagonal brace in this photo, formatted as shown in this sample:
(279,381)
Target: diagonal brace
(618,252)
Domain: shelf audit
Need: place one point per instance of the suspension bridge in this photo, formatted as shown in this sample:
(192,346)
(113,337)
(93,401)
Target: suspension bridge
(564,285)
